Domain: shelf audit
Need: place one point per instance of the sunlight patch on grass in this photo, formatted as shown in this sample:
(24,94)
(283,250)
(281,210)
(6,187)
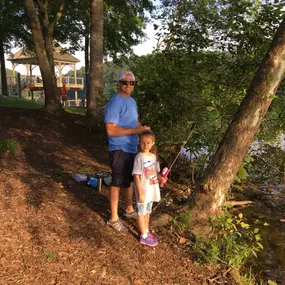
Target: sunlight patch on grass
(75,110)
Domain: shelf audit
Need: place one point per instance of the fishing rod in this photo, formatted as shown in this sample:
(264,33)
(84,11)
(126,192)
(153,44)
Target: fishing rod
(165,171)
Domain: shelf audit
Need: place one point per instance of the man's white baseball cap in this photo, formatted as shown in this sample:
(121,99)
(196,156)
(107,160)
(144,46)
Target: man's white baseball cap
(126,75)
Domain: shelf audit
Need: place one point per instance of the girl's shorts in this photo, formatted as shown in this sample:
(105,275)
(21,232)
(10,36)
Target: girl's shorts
(144,208)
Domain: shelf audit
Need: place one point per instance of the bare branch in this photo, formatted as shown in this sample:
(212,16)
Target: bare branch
(237,203)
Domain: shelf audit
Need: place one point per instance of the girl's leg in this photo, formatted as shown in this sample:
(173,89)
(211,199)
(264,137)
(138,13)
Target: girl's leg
(141,218)
(146,221)
(145,238)
(148,211)
(141,224)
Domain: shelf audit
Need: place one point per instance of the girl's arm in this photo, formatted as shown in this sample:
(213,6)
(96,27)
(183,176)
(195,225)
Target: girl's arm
(160,178)
(137,178)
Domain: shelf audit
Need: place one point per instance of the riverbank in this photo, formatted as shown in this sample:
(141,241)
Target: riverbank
(53,230)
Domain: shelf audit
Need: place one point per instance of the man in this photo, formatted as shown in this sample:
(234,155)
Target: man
(123,127)
(63,94)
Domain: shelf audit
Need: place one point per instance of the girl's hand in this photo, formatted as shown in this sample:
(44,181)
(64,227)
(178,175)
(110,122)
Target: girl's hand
(141,198)
(162,179)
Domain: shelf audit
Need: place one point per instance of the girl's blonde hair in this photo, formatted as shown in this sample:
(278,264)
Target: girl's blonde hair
(149,133)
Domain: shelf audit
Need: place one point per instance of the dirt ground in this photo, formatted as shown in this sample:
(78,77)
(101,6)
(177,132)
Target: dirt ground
(53,229)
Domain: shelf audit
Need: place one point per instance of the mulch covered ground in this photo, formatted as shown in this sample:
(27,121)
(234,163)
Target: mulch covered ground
(53,230)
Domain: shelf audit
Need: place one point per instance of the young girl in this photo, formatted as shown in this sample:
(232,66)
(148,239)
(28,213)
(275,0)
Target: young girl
(146,178)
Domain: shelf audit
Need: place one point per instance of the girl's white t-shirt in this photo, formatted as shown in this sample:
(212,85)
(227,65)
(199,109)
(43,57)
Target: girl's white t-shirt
(147,166)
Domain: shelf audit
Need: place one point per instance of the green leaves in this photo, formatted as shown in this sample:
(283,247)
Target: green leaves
(123,25)
(232,242)
(238,27)
(13,24)
(242,173)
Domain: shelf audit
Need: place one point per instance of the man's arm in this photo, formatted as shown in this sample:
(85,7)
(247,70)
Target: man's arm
(116,131)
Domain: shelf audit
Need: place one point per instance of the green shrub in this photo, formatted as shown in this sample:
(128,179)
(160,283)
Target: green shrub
(231,242)
(8,145)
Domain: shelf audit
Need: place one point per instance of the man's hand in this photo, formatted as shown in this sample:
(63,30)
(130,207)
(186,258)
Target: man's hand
(140,128)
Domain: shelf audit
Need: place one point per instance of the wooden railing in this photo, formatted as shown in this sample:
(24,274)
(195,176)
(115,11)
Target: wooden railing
(69,82)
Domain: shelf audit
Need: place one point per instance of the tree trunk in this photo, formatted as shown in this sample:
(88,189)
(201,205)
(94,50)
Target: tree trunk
(48,40)
(3,70)
(43,52)
(220,174)
(96,86)
(86,57)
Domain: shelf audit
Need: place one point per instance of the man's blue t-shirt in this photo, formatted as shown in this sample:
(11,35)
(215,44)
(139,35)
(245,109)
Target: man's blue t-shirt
(122,111)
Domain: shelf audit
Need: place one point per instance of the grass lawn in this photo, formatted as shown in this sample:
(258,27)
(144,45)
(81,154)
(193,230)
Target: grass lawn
(15,102)
(75,110)
(9,101)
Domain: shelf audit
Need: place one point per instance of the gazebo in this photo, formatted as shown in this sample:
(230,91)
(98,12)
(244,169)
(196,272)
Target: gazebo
(61,59)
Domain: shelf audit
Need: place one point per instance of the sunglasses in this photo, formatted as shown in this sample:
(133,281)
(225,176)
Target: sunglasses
(124,82)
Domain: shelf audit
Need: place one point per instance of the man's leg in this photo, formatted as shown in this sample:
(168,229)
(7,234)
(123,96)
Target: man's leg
(128,197)
(114,220)
(114,201)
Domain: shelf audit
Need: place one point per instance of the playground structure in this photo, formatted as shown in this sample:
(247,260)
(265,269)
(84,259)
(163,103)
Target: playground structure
(17,83)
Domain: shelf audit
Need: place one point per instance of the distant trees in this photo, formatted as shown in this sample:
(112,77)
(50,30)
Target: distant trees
(13,31)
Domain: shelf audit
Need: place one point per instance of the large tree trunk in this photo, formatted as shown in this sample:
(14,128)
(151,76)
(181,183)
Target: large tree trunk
(96,87)
(3,70)
(48,40)
(86,58)
(211,192)
(44,51)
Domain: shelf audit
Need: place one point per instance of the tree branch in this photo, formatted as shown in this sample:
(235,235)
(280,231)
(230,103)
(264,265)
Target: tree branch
(42,5)
(237,203)
(57,16)
(268,164)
